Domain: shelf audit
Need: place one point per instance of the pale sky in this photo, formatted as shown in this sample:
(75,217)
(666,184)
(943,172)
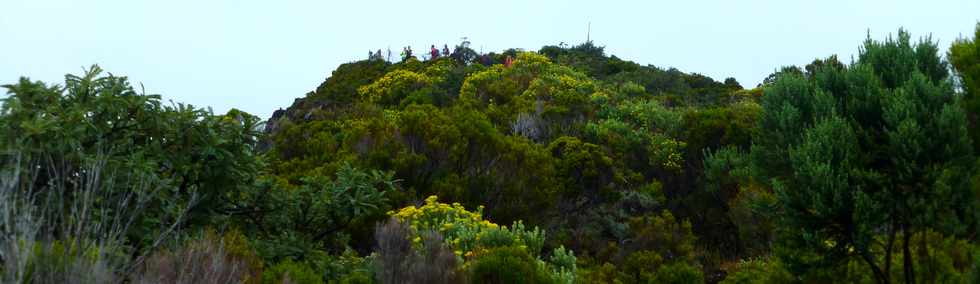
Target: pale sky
(260,55)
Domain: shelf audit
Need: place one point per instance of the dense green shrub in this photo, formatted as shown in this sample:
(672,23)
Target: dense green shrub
(289,271)
(759,271)
(183,164)
(508,264)
(321,214)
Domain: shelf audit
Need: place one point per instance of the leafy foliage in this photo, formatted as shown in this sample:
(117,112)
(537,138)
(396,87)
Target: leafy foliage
(321,214)
(101,168)
(884,153)
(964,56)
(493,253)
(829,172)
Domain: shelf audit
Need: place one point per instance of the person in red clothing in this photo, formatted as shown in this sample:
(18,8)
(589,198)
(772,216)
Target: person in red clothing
(434,52)
(508,61)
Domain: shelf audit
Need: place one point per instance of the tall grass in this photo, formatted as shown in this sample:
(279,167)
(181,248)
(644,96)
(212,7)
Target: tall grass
(204,260)
(65,222)
(19,225)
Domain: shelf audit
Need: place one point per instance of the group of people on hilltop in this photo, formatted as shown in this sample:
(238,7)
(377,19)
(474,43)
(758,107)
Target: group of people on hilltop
(436,53)
(377,55)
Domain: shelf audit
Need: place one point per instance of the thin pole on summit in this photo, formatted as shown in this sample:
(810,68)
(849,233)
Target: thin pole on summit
(588,33)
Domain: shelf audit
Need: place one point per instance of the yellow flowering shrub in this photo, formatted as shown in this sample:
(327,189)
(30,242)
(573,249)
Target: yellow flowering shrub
(531,85)
(393,86)
(531,61)
(466,232)
(567,90)
(460,228)
(666,152)
(502,83)
(489,84)
(439,69)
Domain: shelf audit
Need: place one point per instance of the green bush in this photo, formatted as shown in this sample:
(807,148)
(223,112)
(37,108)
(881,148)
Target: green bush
(293,272)
(507,265)
(168,163)
(760,271)
(678,272)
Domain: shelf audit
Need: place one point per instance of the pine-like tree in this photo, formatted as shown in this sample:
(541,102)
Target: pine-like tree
(964,55)
(863,155)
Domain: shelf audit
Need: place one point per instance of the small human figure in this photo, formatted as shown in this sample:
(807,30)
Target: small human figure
(433,52)
(486,60)
(508,61)
(445,50)
(406,53)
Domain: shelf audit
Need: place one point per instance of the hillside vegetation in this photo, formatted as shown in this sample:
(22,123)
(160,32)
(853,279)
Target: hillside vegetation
(562,165)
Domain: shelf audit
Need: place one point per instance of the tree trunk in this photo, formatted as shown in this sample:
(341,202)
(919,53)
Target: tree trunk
(880,278)
(889,245)
(924,255)
(907,255)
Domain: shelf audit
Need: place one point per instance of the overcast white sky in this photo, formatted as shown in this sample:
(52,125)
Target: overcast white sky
(260,55)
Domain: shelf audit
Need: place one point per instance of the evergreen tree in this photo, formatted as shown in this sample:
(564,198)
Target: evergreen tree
(862,155)
(964,55)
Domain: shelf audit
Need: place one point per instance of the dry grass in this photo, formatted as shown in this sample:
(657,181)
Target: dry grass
(62,222)
(200,261)
(399,262)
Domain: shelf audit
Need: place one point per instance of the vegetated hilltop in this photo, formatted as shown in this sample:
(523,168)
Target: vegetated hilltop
(564,165)
(612,157)
(567,138)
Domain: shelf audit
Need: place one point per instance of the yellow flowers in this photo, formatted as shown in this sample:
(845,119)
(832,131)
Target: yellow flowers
(460,228)
(394,83)
(478,83)
(666,152)
(530,60)
(442,216)
(465,232)
(405,213)
(487,224)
